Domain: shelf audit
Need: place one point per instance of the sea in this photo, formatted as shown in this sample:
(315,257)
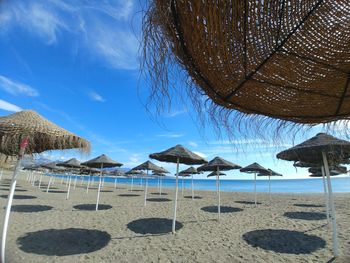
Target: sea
(307,185)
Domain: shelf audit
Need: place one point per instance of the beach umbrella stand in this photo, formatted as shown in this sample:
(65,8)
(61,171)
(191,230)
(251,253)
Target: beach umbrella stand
(325,191)
(176,195)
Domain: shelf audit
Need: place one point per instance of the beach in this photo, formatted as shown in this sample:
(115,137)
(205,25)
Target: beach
(292,228)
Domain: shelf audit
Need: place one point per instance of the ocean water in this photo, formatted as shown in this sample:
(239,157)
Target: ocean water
(312,185)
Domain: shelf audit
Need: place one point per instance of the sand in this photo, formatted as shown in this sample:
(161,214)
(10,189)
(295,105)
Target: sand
(292,228)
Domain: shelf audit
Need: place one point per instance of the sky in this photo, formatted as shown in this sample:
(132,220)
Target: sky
(77,64)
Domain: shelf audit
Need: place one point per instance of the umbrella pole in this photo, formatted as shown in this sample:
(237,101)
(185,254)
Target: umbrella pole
(141,186)
(28,175)
(182,187)
(160,186)
(48,185)
(75,181)
(146,189)
(270,187)
(325,195)
(23,146)
(81,180)
(218,191)
(33,182)
(99,188)
(88,184)
(115,183)
(2,171)
(132,183)
(176,192)
(62,177)
(70,180)
(255,197)
(192,188)
(41,177)
(331,202)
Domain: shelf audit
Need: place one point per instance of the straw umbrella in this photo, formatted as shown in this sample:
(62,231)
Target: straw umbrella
(28,132)
(254,168)
(131,173)
(102,161)
(191,171)
(148,166)
(52,167)
(269,174)
(177,154)
(183,175)
(214,173)
(218,164)
(71,163)
(160,174)
(321,149)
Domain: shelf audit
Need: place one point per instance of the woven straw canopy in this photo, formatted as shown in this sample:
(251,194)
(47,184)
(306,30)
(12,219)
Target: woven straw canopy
(133,171)
(311,150)
(337,169)
(73,163)
(43,135)
(215,174)
(178,152)
(269,173)
(102,160)
(223,165)
(189,171)
(53,166)
(288,60)
(254,168)
(149,166)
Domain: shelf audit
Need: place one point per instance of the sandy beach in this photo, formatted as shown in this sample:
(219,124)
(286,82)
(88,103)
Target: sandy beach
(293,228)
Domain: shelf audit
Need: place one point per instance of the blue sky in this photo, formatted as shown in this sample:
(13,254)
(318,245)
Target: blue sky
(76,63)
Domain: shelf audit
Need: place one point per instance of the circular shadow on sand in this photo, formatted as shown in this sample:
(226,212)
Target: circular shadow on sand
(137,190)
(223,209)
(63,242)
(30,208)
(284,241)
(106,191)
(306,215)
(56,192)
(20,196)
(159,194)
(153,226)
(92,207)
(128,195)
(17,190)
(8,185)
(247,202)
(308,205)
(158,199)
(195,197)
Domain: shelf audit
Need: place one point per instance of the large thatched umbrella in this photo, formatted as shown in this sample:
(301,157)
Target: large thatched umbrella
(269,173)
(322,149)
(28,132)
(71,163)
(177,154)
(218,164)
(102,161)
(260,57)
(148,166)
(190,171)
(133,172)
(254,168)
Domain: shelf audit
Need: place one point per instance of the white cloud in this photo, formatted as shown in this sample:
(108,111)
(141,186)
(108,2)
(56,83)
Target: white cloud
(17,88)
(174,113)
(102,28)
(201,154)
(170,135)
(96,97)
(4,105)
(193,144)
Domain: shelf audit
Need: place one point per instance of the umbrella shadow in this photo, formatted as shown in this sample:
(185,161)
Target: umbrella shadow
(158,199)
(308,205)
(128,195)
(136,190)
(284,241)
(8,185)
(106,191)
(17,190)
(92,207)
(247,202)
(223,209)
(153,226)
(306,215)
(30,208)
(56,191)
(63,242)
(159,194)
(20,196)
(194,197)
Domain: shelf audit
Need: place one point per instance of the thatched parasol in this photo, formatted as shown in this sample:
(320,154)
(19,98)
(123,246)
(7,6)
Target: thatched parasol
(29,132)
(215,174)
(269,173)
(321,149)
(160,174)
(148,166)
(284,60)
(218,164)
(133,172)
(177,154)
(190,171)
(102,161)
(71,163)
(254,168)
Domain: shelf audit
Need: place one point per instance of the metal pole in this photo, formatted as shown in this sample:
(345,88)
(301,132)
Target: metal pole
(176,193)
(23,146)
(331,202)
(132,183)
(182,187)
(160,185)
(270,186)
(325,194)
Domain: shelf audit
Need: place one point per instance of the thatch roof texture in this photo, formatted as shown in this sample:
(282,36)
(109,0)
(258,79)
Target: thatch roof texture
(72,163)
(220,163)
(43,135)
(102,160)
(310,151)
(184,155)
(269,172)
(191,170)
(288,60)
(149,166)
(214,173)
(254,168)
